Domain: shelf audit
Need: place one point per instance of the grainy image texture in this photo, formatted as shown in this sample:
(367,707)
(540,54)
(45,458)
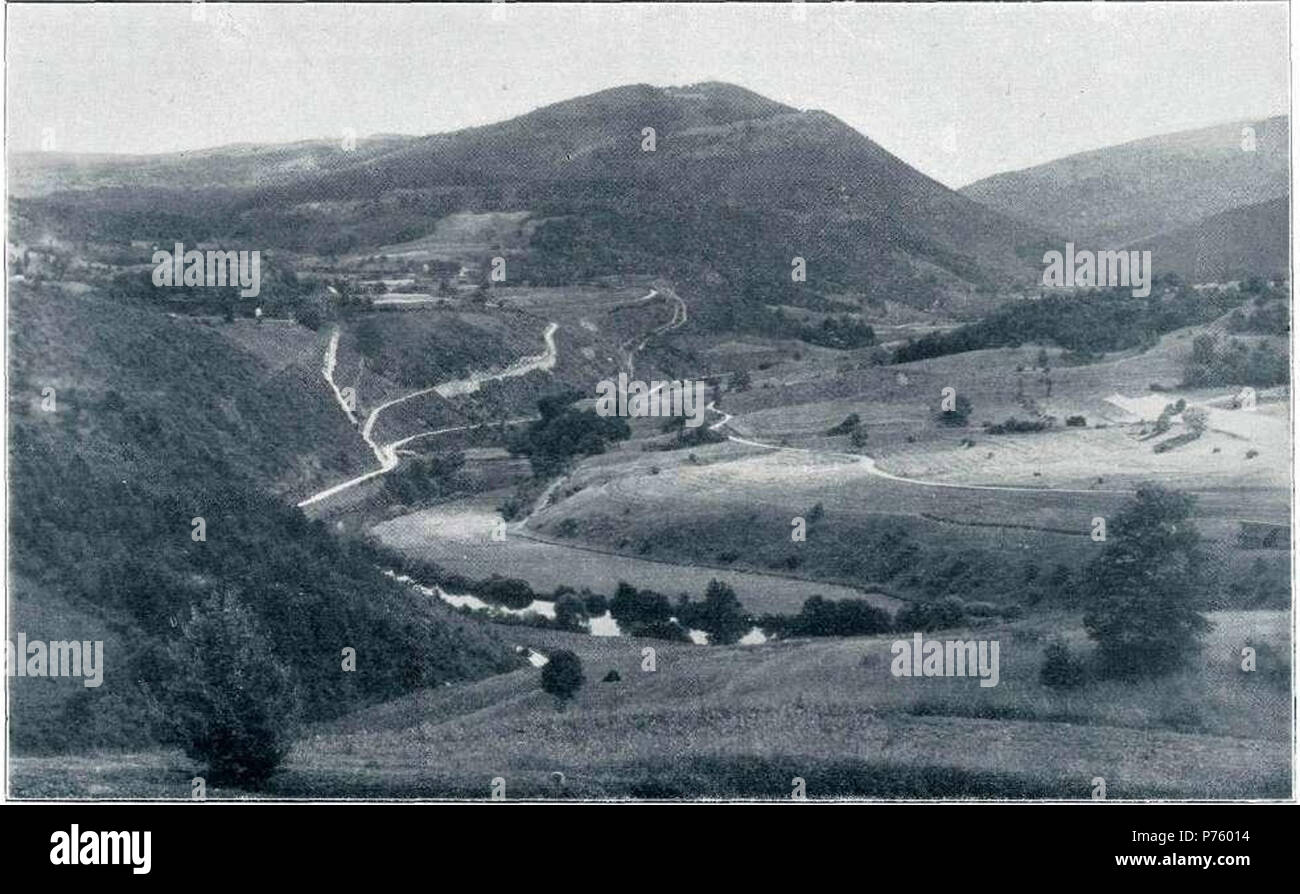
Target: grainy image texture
(512,402)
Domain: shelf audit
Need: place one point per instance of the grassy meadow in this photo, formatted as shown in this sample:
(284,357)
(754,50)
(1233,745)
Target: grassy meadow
(744,721)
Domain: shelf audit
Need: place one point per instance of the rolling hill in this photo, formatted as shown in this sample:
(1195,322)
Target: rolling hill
(236,165)
(1232,245)
(739,721)
(165,415)
(1120,195)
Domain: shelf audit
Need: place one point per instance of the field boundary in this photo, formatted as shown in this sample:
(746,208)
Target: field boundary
(865,591)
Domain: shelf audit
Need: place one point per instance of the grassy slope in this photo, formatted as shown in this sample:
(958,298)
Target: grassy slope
(739,501)
(458,536)
(743,721)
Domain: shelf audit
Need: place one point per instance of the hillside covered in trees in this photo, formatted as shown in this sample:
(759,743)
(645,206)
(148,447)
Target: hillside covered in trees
(109,477)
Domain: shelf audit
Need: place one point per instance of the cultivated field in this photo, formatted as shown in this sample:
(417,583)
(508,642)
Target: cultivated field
(458,536)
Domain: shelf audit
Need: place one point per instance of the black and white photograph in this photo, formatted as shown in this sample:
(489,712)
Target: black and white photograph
(647,402)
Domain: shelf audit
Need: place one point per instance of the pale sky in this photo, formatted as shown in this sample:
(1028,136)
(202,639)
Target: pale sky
(957,91)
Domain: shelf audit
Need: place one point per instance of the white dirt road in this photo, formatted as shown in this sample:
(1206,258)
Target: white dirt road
(387,453)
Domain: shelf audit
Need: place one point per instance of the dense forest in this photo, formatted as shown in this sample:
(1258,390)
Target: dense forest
(1234,362)
(1088,323)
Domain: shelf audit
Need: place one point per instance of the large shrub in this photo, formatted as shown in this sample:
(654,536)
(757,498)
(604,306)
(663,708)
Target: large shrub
(926,616)
(958,415)
(1060,670)
(510,592)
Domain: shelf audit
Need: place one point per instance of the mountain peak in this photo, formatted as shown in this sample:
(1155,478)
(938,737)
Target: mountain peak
(691,105)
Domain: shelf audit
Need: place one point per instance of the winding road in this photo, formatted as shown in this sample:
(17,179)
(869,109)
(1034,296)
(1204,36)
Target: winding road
(1207,499)
(331,360)
(873,469)
(678,320)
(387,453)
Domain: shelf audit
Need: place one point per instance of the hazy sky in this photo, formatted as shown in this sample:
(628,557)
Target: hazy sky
(958,91)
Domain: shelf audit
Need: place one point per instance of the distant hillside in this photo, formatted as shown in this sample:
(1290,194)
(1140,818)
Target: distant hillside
(1088,323)
(1248,241)
(1122,194)
(737,186)
(229,167)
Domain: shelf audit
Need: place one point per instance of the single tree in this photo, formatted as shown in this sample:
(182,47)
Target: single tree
(231,704)
(562,676)
(1196,419)
(1060,670)
(596,604)
(570,612)
(1143,591)
(958,414)
(721,615)
(851,423)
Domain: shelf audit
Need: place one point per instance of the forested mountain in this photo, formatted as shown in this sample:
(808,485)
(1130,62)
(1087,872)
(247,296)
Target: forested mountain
(710,183)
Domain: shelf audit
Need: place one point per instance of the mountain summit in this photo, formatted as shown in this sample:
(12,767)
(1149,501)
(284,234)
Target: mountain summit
(707,182)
